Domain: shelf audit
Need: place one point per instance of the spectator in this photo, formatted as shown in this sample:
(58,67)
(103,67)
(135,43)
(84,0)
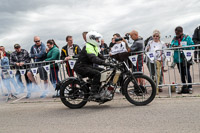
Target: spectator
(137,46)
(84,36)
(18,58)
(4,52)
(1,84)
(112,43)
(196,40)
(104,48)
(120,49)
(6,78)
(53,54)
(179,58)
(38,53)
(68,52)
(159,57)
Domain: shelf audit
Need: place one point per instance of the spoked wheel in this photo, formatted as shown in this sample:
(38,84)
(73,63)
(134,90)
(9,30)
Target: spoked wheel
(142,93)
(73,95)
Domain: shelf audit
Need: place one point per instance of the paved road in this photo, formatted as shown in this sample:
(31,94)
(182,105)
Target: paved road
(163,115)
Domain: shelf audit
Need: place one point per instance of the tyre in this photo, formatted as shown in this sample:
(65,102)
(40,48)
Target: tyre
(73,95)
(141,94)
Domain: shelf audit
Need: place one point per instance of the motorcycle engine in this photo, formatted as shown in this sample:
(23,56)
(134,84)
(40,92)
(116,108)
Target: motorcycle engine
(106,93)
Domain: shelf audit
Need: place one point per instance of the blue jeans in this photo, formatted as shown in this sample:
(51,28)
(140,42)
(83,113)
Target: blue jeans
(54,76)
(20,83)
(7,83)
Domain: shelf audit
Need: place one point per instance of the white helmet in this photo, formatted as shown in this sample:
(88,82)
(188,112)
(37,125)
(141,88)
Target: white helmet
(94,38)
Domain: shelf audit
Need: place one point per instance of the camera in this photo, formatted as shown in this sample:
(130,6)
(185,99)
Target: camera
(126,37)
(118,39)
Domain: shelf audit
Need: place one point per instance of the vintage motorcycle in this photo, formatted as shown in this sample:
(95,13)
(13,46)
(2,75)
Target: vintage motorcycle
(138,88)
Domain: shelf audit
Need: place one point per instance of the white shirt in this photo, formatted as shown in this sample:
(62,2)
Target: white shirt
(118,48)
(70,51)
(153,47)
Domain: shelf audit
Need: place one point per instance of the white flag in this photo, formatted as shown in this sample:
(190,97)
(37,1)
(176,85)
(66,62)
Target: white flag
(22,71)
(34,71)
(150,55)
(133,59)
(11,73)
(188,54)
(72,63)
(47,68)
(168,54)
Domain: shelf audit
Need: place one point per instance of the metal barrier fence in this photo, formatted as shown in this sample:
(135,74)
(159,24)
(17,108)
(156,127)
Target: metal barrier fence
(173,74)
(28,77)
(59,70)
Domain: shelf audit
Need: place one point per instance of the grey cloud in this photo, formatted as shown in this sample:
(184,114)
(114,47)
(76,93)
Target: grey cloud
(50,19)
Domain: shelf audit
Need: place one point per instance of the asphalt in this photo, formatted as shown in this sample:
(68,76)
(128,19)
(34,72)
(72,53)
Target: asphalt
(166,115)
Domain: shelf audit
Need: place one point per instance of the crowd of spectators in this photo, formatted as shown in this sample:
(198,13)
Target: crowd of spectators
(120,48)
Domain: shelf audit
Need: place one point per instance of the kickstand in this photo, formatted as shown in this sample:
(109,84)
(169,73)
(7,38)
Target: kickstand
(10,96)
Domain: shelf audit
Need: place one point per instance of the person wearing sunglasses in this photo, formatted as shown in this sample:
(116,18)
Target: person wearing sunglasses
(156,65)
(38,54)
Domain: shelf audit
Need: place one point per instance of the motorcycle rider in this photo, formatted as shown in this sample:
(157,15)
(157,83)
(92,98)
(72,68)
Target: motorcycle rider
(89,56)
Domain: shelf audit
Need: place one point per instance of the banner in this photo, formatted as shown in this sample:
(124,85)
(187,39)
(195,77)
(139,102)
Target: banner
(150,55)
(11,73)
(133,59)
(34,71)
(72,63)
(168,54)
(47,68)
(188,54)
(22,71)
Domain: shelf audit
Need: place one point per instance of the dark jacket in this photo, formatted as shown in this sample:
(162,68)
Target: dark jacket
(196,36)
(138,46)
(106,49)
(39,52)
(64,51)
(89,55)
(22,56)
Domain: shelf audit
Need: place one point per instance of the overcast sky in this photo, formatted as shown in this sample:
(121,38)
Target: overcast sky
(21,20)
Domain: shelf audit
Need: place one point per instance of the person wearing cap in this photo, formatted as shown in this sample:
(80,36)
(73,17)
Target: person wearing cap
(18,58)
(154,46)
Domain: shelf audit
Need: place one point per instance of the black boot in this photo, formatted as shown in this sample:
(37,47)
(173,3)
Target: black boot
(94,91)
(184,90)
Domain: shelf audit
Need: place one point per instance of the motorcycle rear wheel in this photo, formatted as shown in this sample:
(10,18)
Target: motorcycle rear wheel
(73,95)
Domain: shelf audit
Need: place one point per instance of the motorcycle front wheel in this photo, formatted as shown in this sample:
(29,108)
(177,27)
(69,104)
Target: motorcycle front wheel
(140,91)
(73,95)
